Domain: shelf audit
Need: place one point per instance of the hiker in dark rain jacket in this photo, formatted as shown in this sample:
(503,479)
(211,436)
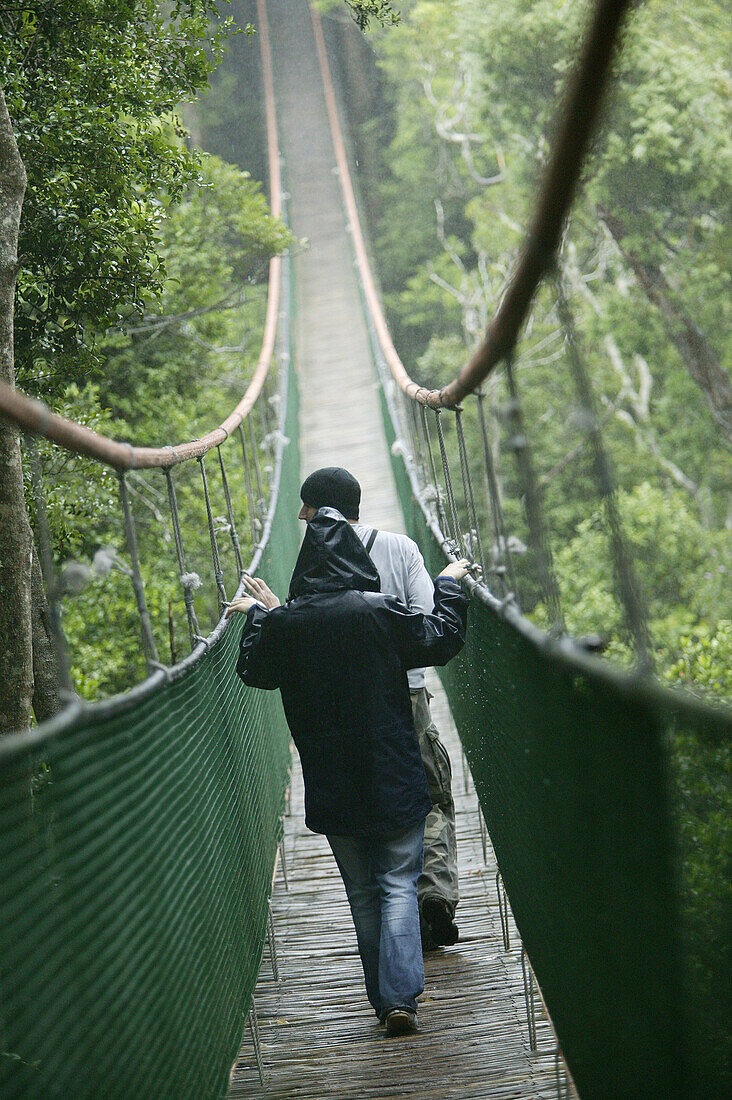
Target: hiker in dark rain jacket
(339,651)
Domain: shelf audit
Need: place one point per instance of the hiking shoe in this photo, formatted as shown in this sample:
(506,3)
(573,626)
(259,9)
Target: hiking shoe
(428,943)
(438,916)
(400,1021)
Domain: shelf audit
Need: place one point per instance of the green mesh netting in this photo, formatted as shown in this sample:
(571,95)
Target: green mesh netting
(137,845)
(613,858)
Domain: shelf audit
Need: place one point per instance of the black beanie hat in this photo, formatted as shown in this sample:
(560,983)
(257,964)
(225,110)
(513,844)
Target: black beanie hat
(332,487)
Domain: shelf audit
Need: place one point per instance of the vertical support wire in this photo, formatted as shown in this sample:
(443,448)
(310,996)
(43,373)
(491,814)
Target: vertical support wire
(418,442)
(264,426)
(254,1025)
(185,579)
(283,859)
(503,550)
(528,975)
(58,638)
(272,944)
(468,487)
(626,580)
(448,485)
(439,510)
(230,515)
(519,444)
(257,470)
(483,834)
(218,574)
(255,525)
(503,912)
(148,641)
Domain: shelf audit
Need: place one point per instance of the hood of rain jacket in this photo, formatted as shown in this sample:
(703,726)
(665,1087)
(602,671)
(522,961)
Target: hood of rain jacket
(332,556)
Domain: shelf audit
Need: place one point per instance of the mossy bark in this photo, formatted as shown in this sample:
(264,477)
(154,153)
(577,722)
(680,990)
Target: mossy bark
(16,544)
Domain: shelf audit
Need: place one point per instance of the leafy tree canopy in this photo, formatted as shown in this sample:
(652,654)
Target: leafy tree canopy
(91,87)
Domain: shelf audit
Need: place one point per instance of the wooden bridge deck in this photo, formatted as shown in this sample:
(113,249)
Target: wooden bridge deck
(319,1036)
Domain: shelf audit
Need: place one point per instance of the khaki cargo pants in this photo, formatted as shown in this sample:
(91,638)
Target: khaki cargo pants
(439,876)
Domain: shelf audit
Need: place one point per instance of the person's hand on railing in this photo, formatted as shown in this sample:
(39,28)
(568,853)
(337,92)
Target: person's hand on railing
(241,603)
(457,569)
(261,592)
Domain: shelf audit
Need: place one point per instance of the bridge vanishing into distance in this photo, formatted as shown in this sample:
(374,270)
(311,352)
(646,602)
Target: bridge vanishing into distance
(319,1037)
(172,930)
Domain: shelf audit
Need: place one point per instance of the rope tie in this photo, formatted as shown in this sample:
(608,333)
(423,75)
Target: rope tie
(503,549)
(148,641)
(625,577)
(218,574)
(519,444)
(162,668)
(230,514)
(468,486)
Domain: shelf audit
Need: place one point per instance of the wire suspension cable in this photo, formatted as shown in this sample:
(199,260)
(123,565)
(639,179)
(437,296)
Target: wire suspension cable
(254,523)
(257,470)
(218,574)
(148,640)
(503,550)
(519,444)
(439,509)
(416,434)
(459,545)
(625,576)
(468,488)
(230,515)
(185,579)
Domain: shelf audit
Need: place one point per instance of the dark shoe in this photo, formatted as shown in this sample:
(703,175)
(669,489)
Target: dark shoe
(438,916)
(428,943)
(400,1021)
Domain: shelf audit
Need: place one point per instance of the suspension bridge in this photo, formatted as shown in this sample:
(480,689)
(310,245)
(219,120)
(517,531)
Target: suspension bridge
(170,928)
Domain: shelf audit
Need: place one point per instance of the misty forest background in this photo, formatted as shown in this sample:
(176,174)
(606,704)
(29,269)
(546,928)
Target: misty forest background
(141,295)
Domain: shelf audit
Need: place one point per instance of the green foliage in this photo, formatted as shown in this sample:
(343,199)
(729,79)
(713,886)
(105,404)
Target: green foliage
(476,87)
(363,11)
(179,371)
(91,86)
(185,356)
(685,575)
(80,493)
(704,661)
(143,266)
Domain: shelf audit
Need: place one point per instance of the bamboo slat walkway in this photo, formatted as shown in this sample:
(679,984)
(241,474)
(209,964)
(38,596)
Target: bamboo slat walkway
(319,1036)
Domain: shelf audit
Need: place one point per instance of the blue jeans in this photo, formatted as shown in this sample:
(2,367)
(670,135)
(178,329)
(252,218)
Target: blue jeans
(380,875)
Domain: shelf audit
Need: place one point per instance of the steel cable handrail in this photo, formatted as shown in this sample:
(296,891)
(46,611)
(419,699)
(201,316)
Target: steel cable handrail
(543,237)
(35,417)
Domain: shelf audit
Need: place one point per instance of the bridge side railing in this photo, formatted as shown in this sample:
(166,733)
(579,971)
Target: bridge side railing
(572,759)
(138,835)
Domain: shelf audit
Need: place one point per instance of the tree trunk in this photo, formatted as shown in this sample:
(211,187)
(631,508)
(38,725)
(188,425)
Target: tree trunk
(16,653)
(690,342)
(46,682)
